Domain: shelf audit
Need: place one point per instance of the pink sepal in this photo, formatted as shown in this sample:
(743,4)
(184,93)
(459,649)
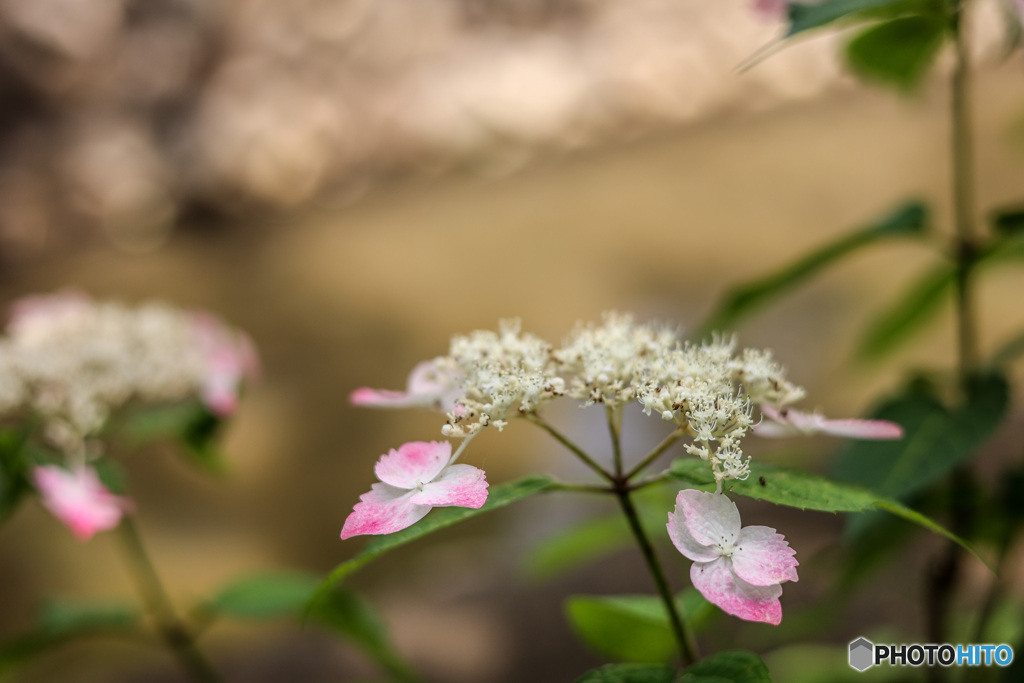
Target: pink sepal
(431,384)
(78,499)
(791,422)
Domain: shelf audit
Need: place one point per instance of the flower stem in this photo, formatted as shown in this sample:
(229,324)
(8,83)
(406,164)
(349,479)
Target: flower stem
(533,418)
(614,416)
(653,455)
(175,634)
(685,640)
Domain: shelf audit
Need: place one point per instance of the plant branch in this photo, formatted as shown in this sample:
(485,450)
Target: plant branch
(653,455)
(533,418)
(172,630)
(614,416)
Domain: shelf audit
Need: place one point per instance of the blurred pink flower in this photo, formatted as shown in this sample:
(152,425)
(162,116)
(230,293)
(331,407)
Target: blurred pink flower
(414,478)
(431,384)
(771,10)
(790,422)
(78,498)
(229,356)
(738,569)
(38,311)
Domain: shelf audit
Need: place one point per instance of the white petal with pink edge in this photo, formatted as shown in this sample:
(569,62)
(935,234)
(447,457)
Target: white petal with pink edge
(763,557)
(459,485)
(413,463)
(720,586)
(383,510)
(711,519)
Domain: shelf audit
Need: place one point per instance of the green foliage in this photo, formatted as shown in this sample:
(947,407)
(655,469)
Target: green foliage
(631,673)
(806,491)
(910,312)
(908,220)
(439,518)
(59,621)
(263,596)
(737,666)
(633,628)
(897,52)
(14,483)
(804,17)
(190,425)
(1008,222)
(936,438)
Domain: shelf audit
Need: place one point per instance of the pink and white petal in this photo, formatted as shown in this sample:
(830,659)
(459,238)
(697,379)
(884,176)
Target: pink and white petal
(459,485)
(684,541)
(79,500)
(762,557)
(711,518)
(413,463)
(862,429)
(717,582)
(776,425)
(383,510)
(381,398)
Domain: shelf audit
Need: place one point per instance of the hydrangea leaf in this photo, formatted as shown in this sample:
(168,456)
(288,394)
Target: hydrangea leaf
(633,628)
(631,673)
(737,666)
(936,438)
(439,518)
(910,219)
(14,483)
(804,16)
(194,427)
(897,52)
(1009,222)
(263,596)
(806,491)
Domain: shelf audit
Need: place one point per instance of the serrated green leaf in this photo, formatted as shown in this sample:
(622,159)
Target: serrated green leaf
(935,440)
(633,628)
(737,666)
(910,219)
(915,307)
(806,491)
(264,596)
(897,52)
(439,518)
(807,16)
(631,673)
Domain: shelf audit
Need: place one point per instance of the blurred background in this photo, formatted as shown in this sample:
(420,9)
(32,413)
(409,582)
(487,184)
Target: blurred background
(354,181)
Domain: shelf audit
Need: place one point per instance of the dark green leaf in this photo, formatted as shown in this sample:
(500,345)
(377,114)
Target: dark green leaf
(631,673)
(910,219)
(806,491)
(14,483)
(936,438)
(190,424)
(348,614)
(806,16)
(1009,222)
(897,52)
(737,666)
(439,518)
(909,313)
(265,596)
(633,628)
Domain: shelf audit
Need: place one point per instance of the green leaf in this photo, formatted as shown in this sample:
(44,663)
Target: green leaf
(909,313)
(264,596)
(804,17)
(14,483)
(633,628)
(897,52)
(348,614)
(806,491)
(190,424)
(1009,222)
(439,518)
(631,673)
(936,438)
(737,666)
(910,219)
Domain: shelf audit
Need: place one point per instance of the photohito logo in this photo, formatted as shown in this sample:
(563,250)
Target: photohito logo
(865,654)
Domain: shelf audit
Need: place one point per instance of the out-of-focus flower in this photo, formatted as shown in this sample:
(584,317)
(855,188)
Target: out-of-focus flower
(791,422)
(738,569)
(414,478)
(78,499)
(771,10)
(432,384)
(229,356)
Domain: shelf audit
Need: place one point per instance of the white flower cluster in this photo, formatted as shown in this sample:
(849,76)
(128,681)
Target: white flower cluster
(501,371)
(707,390)
(73,362)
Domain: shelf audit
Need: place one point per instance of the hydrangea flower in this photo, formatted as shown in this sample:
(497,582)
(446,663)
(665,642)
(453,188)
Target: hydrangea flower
(414,478)
(771,10)
(229,357)
(432,384)
(738,569)
(791,422)
(78,499)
